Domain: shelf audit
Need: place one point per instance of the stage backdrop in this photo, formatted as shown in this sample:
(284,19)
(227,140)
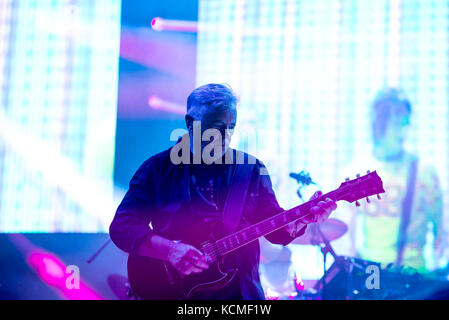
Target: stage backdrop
(307,71)
(58,100)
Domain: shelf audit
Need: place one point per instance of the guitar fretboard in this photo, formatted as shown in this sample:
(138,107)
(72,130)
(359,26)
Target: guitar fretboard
(249,234)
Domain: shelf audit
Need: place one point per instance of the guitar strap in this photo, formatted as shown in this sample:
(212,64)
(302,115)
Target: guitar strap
(237,193)
(407,204)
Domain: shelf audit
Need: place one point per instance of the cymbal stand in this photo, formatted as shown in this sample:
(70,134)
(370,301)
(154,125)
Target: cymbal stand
(326,248)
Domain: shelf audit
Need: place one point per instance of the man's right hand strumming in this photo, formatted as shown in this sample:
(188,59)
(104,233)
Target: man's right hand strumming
(185,258)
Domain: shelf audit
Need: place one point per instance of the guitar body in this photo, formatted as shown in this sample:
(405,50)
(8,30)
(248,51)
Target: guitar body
(154,279)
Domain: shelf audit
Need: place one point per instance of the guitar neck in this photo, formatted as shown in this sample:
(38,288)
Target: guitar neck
(249,234)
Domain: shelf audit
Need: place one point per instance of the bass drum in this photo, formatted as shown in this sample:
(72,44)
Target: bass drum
(277,274)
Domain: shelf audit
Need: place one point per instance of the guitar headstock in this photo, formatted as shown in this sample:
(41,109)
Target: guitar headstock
(361,187)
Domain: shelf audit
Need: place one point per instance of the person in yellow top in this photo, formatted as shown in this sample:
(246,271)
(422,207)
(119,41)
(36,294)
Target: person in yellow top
(397,228)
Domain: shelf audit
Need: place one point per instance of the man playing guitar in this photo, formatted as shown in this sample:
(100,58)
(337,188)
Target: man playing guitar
(169,204)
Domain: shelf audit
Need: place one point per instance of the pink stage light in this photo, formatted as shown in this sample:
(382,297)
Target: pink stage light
(48,268)
(299,284)
(169,54)
(154,102)
(160,104)
(159,24)
(52,272)
(156,24)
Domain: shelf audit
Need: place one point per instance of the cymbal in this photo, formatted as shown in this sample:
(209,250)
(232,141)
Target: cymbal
(332,229)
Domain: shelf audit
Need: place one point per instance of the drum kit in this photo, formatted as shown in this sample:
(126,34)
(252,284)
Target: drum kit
(316,235)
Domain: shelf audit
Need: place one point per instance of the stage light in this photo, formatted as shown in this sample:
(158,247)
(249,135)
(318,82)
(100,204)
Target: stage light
(48,267)
(159,24)
(53,271)
(170,107)
(156,24)
(299,284)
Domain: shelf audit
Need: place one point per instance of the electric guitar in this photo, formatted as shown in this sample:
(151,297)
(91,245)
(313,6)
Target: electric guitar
(155,279)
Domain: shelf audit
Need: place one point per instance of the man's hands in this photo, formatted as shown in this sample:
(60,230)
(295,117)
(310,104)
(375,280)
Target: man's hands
(317,214)
(183,257)
(186,258)
(321,211)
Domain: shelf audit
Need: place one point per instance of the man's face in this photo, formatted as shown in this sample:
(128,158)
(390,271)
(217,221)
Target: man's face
(396,130)
(224,122)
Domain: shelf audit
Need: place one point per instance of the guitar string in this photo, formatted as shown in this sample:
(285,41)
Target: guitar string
(253,234)
(216,250)
(219,251)
(235,244)
(271,218)
(285,213)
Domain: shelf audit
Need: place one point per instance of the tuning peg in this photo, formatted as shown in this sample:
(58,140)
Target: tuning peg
(357,204)
(378,196)
(368,200)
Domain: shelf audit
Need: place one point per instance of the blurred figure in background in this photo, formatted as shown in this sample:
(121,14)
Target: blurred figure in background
(409,218)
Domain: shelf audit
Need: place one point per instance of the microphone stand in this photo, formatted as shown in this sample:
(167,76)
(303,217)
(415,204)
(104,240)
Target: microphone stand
(94,256)
(326,248)
(303,179)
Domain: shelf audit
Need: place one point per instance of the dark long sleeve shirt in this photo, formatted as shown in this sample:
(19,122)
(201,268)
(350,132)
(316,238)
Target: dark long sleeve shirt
(160,192)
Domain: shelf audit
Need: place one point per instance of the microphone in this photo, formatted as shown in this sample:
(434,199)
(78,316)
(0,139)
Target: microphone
(302,177)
